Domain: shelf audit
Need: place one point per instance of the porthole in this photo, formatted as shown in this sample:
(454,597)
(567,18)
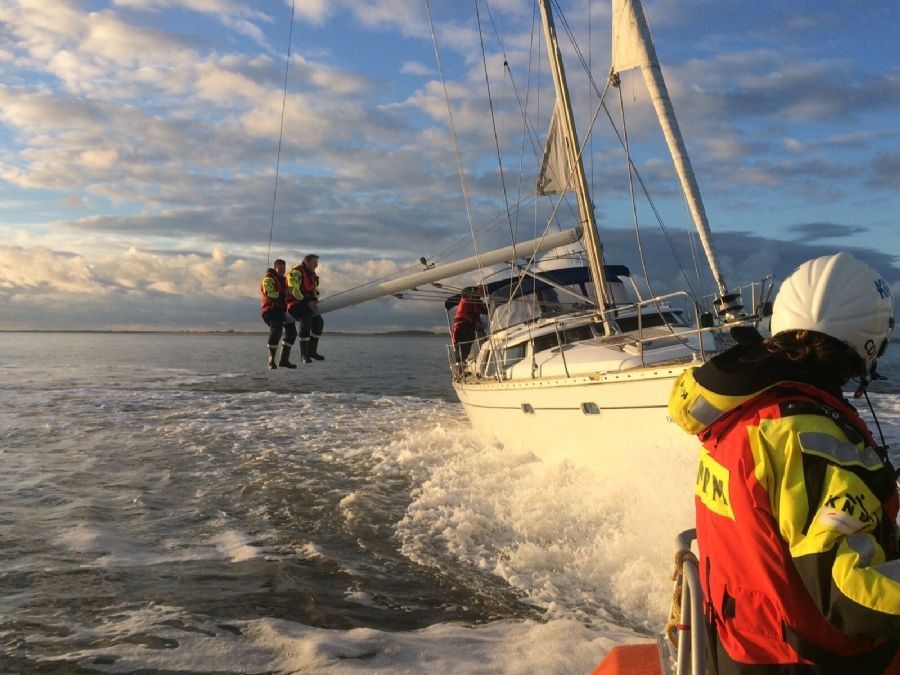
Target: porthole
(590,408)
(528,409)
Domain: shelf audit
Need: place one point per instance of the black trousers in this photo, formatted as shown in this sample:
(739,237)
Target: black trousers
(278,323)
(310,324)
(464,337)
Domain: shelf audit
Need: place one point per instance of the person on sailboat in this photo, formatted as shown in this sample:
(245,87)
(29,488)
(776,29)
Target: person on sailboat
(303,306)
(467,325)
(272,289)
(796,503)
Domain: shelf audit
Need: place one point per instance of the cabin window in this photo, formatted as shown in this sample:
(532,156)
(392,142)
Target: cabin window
(514,354)
(590,408)
(528,409)
(487,363)
(567,336)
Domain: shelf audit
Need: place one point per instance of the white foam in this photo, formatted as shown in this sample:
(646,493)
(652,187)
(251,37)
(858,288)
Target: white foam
(575,543)
(114,548)
(234,546)
(164,638)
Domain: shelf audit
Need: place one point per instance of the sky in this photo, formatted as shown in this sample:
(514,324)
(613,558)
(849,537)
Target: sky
(139,141)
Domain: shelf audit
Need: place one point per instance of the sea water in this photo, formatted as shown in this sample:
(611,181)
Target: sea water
(168,505)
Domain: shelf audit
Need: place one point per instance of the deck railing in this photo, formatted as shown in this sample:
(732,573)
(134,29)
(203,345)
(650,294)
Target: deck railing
(701,324)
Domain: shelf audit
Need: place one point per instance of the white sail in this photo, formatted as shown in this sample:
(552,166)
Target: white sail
(526,249)
(555,174)
(632,47)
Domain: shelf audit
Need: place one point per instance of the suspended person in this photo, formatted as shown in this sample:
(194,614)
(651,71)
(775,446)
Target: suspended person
(796,503)
(272,289)
(303,305)
(467,325)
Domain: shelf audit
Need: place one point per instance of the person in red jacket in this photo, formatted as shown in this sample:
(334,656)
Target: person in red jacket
(796,503)
(303,306)
(272,288)
(467,324)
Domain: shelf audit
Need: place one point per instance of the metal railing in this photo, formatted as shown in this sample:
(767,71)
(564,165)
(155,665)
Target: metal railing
(691,627)
(497,366)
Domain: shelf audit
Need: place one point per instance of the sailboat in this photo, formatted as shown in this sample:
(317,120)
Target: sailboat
(575,365)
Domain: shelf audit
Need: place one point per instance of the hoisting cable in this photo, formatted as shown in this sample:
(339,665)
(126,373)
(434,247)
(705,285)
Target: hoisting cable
(287,63)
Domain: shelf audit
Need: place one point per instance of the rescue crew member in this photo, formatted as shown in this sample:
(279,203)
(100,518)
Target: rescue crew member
(467,323)
(796,503)
(303,305)
(272,289)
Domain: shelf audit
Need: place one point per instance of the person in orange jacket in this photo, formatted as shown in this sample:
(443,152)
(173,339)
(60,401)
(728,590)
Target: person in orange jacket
(467,326)
(796,503)
(272,289)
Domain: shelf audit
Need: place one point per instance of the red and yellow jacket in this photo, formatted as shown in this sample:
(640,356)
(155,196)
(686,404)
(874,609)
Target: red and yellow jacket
(468,313)
(796,520)
(272,289)
(303,285)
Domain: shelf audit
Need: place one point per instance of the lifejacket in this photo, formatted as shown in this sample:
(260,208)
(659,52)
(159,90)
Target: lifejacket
(303,285)
(468,313)
(790,484)
(272,289)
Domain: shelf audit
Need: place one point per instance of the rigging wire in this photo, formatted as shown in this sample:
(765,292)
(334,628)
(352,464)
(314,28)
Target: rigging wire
(459,164)
(637,174)
(487,82)
(287,63)
(637,229)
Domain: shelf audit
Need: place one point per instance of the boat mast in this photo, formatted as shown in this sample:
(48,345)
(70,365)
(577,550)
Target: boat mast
(633,47)
(591,242)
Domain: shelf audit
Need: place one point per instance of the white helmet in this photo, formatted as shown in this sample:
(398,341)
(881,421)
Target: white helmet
(839,296)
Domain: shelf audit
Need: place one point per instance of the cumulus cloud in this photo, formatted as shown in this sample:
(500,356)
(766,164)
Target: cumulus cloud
(140,158)
(416,68)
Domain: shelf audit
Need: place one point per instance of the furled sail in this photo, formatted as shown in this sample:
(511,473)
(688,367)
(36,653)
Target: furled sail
(555,175)
(632,47)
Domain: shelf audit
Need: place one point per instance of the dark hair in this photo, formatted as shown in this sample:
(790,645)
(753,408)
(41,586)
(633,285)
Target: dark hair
(279,261)
(815,350)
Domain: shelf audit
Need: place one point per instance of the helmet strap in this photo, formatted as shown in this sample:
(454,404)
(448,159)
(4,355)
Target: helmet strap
(862,390)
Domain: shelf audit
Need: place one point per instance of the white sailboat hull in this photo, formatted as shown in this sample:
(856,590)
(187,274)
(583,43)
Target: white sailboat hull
(632,420)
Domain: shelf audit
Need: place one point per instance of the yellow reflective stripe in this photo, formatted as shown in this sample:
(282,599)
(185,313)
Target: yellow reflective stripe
(694,408)
(839,451)
(857,576)
(890,569)
(712,486)
(704,412)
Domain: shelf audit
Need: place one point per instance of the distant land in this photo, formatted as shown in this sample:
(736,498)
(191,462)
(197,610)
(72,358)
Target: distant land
(392,333)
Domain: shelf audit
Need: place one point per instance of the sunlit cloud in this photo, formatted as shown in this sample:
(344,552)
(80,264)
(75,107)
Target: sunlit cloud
(141,139)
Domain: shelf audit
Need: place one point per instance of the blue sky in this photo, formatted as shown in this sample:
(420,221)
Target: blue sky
(138,145)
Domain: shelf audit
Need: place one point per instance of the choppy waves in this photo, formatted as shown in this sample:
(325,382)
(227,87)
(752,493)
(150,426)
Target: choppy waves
(184,521)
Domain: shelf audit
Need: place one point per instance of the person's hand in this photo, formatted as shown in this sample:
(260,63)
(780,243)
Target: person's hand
(314,307)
